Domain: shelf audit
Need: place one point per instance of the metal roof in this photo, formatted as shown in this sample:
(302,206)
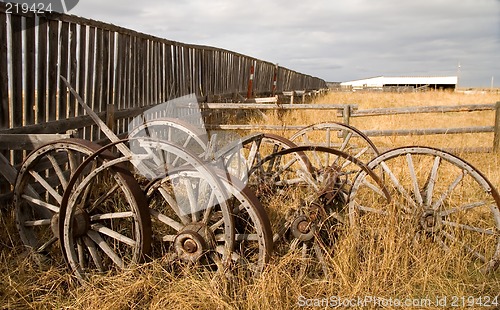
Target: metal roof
(380,81)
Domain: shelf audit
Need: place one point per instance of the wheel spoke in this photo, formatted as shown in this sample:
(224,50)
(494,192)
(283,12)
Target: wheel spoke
(321,258)
(448,191)
(73,162)
(363,151)
(103,197)
(96,258)
(47,186)
(318,160)
(47,244)
(189,138)
(44,222)
(173,204)
(467,247)
(470,228)
(210,206)
(246,237)
(375,188)
(463,208)
(193,205)
(108,216)
(399,187)
(106,248)
(168,238)
(41,203)
(253,154)
(157,157)
(81,253)
(372,210)
(58,171)
(113,234)
(429,191)
(442,243)
(413,175)
(328,144)
(217,224)
(166,220)
(345,143)
(284,168)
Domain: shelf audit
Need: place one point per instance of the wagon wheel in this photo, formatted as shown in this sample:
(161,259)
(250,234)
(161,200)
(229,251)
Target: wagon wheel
(306,204)
(239,157)
(439,198)
(104,222)
(339,136)
(174,131)
(198,237)
(40,185)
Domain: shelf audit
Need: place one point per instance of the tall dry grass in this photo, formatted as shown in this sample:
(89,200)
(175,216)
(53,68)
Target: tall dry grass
(389,267)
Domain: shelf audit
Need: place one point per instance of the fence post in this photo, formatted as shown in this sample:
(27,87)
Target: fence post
(250,83)
(496,138)
(346,114)
(110,116)
(275,80)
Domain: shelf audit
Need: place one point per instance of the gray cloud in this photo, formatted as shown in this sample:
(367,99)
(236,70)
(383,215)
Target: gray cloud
(336,41)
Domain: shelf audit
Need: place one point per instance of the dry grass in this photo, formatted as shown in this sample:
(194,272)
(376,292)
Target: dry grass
(386,267)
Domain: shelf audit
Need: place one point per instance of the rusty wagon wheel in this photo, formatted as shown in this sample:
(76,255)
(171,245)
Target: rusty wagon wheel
(197,236)
(40,185)
(104,222)
(306,203)
(438,197)
(342,137)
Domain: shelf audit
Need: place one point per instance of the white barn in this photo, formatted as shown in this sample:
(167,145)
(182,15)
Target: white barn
(415,82)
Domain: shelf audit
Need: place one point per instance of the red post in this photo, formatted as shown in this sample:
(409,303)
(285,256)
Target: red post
(250,82)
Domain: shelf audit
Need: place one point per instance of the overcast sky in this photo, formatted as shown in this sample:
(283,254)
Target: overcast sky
(333,40)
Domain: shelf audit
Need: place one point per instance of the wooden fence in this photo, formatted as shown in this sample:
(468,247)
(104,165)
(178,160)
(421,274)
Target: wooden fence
(349,111)
(118,72)
(113,65)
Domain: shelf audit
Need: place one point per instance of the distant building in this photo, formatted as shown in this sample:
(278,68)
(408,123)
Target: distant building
(402,83)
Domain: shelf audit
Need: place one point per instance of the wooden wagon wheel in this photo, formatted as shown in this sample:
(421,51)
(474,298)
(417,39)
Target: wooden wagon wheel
(239,157)
(197,237)
(439,198)
(339,136)
(306,204)
(196,183)
(40,185)
(104,222)
(174,131)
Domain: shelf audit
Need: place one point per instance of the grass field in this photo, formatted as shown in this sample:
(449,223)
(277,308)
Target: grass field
(390,268)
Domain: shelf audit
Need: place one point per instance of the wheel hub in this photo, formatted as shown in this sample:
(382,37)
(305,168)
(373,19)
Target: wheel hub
(193,241)
(81,223)
(303,228)
(430,221)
